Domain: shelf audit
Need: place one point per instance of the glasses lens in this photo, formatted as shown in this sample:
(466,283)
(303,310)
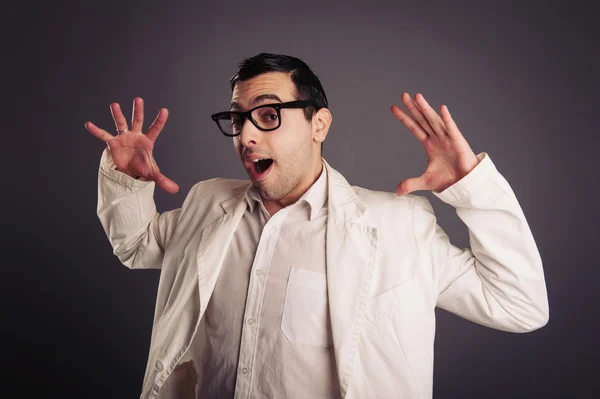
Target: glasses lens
(230,123)
(266,117)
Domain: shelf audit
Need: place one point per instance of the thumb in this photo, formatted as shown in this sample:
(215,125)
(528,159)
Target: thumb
(165,183)
(410,185)
(161,180)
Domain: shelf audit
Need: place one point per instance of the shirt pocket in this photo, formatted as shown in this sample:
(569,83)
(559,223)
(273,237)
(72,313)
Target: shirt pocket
(305,311)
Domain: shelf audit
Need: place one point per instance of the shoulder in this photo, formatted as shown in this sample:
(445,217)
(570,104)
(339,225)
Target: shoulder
(383,200)
(217,189)
(397,217)
(222,184)
(383,207)
(379,204)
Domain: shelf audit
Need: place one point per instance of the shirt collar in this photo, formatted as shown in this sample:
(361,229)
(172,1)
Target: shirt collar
(315,196)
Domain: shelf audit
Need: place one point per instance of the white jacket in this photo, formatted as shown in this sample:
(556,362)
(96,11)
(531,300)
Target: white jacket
(388,266)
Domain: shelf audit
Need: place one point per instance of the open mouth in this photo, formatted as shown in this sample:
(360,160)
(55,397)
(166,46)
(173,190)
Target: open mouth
(260,168)
(262,165)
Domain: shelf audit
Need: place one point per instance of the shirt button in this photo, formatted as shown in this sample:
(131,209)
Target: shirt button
(158,366)
(259,273)
(245,370)
(251,321)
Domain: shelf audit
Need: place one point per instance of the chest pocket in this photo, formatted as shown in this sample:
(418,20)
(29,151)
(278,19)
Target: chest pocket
(305,311)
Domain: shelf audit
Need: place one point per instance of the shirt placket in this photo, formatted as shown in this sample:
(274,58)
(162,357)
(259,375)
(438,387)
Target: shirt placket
(254,300)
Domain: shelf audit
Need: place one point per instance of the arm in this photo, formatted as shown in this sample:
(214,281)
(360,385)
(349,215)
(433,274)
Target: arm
(137,232)
(499,281)
(126,209)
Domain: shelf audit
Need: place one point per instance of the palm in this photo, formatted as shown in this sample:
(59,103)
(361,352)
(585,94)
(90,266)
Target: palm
(131,151)
(450,157)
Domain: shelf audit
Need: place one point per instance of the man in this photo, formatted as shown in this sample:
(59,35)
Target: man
(296,284)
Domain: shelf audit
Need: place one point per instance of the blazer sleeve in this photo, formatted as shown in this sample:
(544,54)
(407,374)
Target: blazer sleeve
(499,281)
(126,209)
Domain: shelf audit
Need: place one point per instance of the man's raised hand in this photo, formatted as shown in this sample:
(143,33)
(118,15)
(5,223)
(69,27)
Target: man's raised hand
(450,157)
(130,149)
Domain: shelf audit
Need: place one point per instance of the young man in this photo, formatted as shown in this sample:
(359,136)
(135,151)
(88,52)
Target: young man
(295,284)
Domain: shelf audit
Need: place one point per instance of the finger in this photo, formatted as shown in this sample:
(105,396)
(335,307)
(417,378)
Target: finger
(166,184)
(410,123)
(158,124)
(161,180)
(410,185)
(451,127)
(414,108)
(117,114)
(137,116)
(100,133)
(434,119)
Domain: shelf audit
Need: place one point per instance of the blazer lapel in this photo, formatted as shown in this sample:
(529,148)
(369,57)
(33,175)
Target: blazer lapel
(351,248)
(214,241)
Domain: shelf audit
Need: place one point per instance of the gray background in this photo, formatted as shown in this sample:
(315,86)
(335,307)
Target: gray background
(520,78)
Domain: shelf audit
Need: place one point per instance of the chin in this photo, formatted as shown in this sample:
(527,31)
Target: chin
(268,193)
(265,194)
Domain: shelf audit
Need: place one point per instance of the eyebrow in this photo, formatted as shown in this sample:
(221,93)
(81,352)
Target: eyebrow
(257,99)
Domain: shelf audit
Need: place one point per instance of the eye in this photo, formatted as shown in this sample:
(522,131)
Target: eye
(269,115)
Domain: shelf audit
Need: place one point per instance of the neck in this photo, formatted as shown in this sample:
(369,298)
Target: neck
(274,206)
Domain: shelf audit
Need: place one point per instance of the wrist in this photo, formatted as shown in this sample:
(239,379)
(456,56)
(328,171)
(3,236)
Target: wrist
(127,173)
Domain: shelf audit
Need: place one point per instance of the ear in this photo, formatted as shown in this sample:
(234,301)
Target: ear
(321,121)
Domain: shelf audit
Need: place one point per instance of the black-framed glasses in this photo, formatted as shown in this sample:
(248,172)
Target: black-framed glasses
(266,117)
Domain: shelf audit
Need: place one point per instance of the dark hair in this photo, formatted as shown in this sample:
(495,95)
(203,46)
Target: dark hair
(308,86)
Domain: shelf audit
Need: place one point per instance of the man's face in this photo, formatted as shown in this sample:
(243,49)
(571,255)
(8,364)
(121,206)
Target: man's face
(291,147)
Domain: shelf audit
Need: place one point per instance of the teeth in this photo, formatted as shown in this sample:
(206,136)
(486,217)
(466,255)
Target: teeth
(256,160)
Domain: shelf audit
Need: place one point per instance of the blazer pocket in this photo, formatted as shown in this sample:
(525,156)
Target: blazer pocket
(305,317)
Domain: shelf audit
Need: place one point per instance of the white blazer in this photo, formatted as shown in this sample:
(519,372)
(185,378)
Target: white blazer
(388,266)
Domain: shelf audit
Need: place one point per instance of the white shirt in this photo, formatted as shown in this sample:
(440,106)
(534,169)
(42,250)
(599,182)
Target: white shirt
(267,326)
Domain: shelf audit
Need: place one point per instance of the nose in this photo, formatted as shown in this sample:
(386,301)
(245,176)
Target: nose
(250,134)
